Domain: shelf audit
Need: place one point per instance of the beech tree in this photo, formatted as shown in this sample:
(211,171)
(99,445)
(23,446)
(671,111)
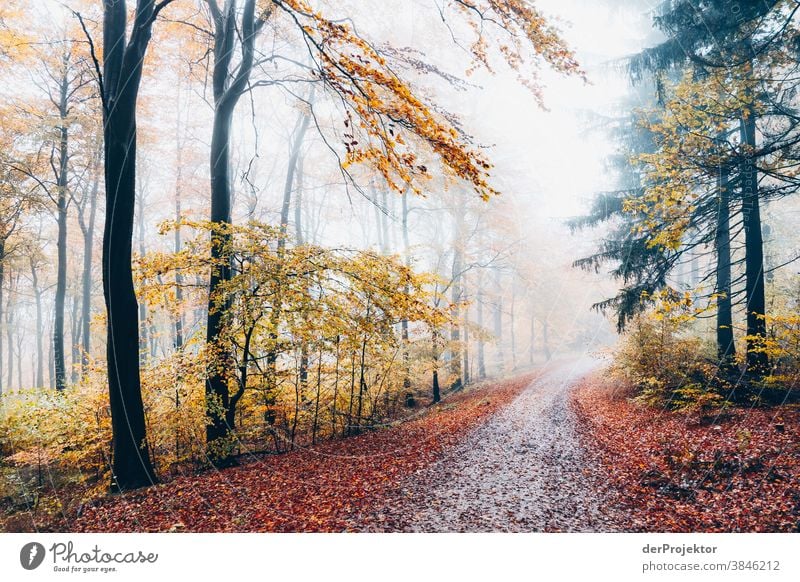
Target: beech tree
(123,60)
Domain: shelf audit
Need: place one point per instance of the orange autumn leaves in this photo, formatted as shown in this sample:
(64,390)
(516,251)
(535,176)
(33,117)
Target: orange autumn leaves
(387,122)
(734,472)
(335,486)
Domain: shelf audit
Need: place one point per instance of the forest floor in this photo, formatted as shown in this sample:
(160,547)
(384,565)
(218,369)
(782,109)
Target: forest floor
(503,456)
(333,486)
(558,449)
(734,471)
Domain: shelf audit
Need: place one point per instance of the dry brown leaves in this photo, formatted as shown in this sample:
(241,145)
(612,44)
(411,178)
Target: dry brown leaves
(321,489)
(738,471)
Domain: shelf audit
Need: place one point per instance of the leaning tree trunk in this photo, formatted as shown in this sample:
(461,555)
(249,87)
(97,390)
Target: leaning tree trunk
(122,73)
(722,242)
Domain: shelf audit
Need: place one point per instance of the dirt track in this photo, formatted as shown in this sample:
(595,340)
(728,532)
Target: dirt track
(523,471)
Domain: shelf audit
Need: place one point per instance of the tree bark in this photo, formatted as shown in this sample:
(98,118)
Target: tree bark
(456,291)
(406,290)
(722,242)
(479,322)
(226,96)
(87,229)
(757,359)
(2,280)
(38,380)
(122,73)
(10,332)
(498,320)
(62,182)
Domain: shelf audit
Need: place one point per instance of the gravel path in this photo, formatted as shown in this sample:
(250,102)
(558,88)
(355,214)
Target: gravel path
(522,471)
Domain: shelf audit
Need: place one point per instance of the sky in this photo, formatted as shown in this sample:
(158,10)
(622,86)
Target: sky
(562,163)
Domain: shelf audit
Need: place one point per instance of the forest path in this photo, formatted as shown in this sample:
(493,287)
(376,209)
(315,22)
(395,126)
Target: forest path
(524,470)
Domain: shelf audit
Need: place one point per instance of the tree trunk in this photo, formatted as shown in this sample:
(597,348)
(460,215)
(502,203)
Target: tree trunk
(757,360)
(512,325)
(479,322)
(533,339)
(456,292)
(406,290)
(61,245)
(177,248)
(437,395)
(2,280)
(144,336)
(38,380)
(86,276)
(226,96)
(545,340)
(75,332)
(10,332)
(498,321)
(722,242)
(291,173)
(122,72)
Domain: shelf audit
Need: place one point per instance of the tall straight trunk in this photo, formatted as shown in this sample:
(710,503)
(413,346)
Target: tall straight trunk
(335,388)
(87,229)
(498,320)
(385,244)
(406,290)
(122,73)
(217,396)
(75,333)
(533,340)
(51,367)
(298,203)
(10,333)
(38,379)
(362,382)
(377,209)
(437,394)
(177,247)
(292,176)
(512,325)
(62,182)
(456,292)
(316,404)
(144,336)
(20,341)
(546,340)
(757,359)
(479,322)
(722,242)
(2,280)
(465,371)
(226,96)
